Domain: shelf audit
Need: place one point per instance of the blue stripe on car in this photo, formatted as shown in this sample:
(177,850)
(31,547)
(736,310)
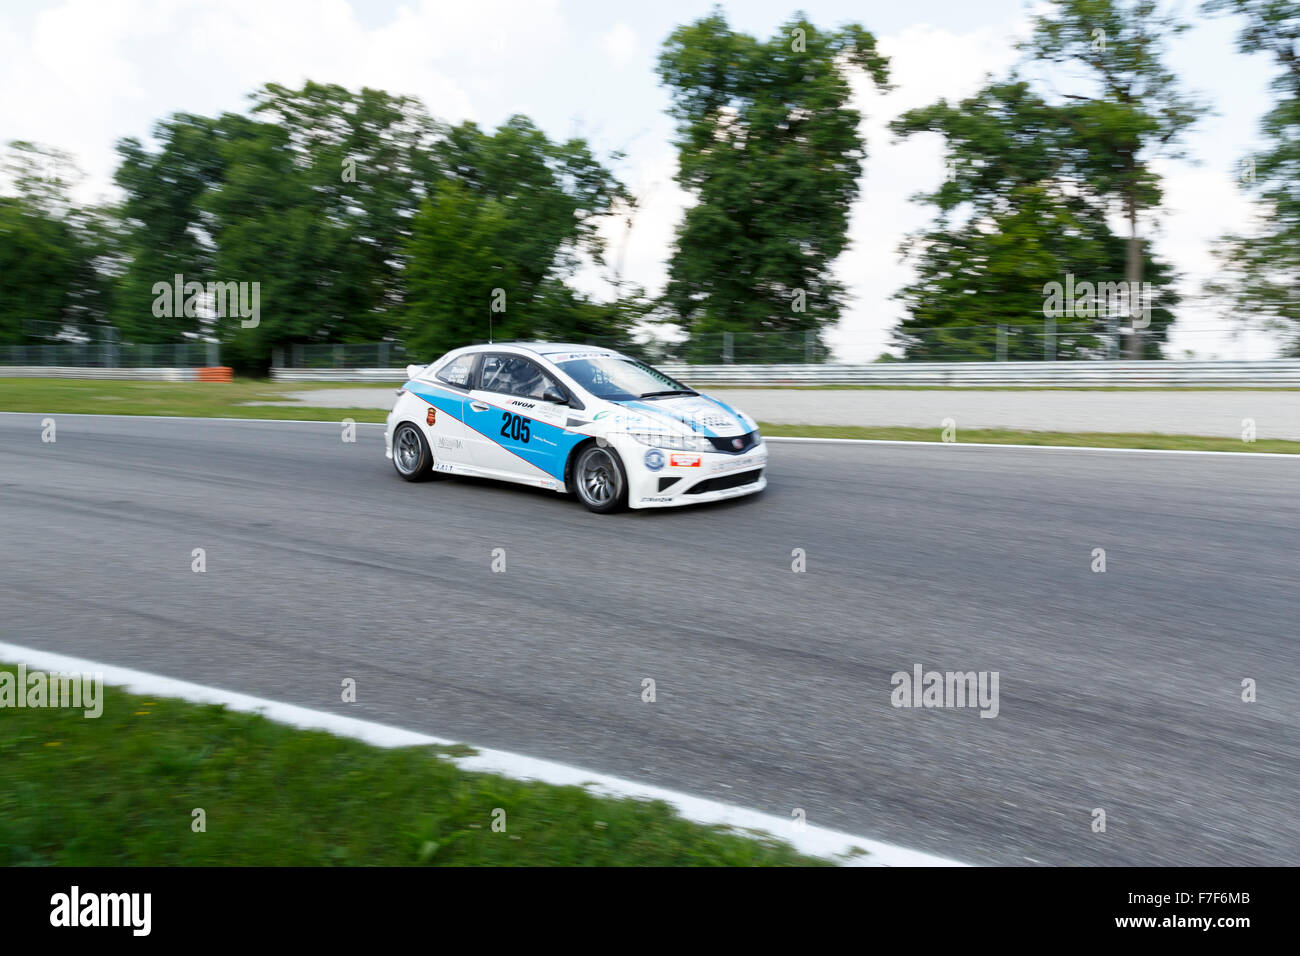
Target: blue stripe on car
(550,455)
(684,419)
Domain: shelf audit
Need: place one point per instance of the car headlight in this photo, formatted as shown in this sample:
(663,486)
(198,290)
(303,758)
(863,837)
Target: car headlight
(673,442)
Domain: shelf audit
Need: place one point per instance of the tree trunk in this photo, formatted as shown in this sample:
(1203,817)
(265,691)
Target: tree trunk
(1133,275)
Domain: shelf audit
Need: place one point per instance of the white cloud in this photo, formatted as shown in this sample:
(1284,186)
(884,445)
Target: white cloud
(85,73)
(620,44)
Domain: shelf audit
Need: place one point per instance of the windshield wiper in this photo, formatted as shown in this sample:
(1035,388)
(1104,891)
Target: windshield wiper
(671,391)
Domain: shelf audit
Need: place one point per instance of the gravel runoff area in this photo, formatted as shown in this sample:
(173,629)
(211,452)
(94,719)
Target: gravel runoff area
(1217,414)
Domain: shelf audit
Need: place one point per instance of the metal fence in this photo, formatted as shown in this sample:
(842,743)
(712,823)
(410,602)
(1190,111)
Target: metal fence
(1274,373)
(1043,342)
(343,355)
(111,354)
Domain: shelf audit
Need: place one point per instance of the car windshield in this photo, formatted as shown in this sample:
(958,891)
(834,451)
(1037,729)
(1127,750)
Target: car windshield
(618,379)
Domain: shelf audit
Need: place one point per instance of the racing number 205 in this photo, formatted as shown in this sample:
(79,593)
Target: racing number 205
(514,426)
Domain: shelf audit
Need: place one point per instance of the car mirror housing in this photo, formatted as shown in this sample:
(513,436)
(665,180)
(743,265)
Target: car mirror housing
(554,397)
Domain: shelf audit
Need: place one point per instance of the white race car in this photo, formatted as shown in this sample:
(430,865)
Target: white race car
(572,418)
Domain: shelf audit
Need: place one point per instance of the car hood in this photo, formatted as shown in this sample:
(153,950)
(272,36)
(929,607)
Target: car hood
(700,413)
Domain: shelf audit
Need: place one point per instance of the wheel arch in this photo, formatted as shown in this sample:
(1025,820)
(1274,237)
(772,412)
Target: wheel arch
(569,462)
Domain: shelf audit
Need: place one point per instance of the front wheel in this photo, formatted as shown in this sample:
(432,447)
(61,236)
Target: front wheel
(599,479)
(411,455)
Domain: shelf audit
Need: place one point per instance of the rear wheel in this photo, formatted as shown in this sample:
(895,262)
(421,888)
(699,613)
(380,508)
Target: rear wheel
(411,455)
(599,479)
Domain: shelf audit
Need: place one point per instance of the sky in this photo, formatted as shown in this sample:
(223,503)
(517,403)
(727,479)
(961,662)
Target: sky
(82,74)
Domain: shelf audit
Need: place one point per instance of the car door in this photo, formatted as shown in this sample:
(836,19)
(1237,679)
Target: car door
(447,393)
(514,430)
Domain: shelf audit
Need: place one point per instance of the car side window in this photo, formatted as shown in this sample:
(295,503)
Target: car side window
(457,371)
(517,376)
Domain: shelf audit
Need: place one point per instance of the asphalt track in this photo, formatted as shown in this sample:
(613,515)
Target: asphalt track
(1119,690)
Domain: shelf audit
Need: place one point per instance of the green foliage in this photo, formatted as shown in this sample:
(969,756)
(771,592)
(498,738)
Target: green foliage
(768,144)
(51,251)
(163,236)
(1031,182)
(1130,107)
(310,197)
(1014,214)
(515,213)
(1262,270)
(277,796)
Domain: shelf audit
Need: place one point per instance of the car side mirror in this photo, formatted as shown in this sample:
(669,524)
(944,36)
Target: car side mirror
(554,397)
(414,370)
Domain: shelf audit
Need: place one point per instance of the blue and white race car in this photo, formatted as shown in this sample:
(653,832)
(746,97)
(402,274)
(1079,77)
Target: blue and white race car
(572,418)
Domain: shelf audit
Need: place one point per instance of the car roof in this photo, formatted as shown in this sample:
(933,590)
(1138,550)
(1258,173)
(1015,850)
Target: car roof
(546,348)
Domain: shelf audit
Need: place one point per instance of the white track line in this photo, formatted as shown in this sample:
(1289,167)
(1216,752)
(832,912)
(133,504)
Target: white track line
(974,444)
(766,438)
(808,839)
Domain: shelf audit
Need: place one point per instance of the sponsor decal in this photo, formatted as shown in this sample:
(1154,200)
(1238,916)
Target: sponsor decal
(653,500)
(558,357)
(654,459)
(523,404)
(451,444)
(742,462)
(432,415)
(685,461)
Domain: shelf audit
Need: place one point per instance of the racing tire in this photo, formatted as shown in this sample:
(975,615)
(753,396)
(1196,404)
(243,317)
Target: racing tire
(412,457)
(599,479)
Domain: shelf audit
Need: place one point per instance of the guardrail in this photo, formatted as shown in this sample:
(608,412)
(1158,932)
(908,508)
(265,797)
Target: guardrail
(1271,373)
(214,374)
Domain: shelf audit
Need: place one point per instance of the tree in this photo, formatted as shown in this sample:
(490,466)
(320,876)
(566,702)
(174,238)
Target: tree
(316,203)
(498,236)
(1014,214)
(768,144)
(164,235)
(1132,107)
(1262,271)
(310,198)
(54,276)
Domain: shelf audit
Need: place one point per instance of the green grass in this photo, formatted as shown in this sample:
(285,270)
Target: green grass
(220,400)
(120,790)
(52,396)
(1003,436)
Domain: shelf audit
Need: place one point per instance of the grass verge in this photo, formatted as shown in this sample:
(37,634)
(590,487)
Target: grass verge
(999,436)
(53,396)
(220,400)
(120,790)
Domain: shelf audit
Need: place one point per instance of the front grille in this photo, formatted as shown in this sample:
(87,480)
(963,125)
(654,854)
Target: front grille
(726,481)
(725,444)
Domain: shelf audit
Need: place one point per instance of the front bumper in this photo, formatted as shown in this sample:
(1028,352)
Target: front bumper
(388,434)
(688,478)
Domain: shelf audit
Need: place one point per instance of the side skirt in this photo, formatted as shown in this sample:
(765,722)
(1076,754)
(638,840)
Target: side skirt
(470,471)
